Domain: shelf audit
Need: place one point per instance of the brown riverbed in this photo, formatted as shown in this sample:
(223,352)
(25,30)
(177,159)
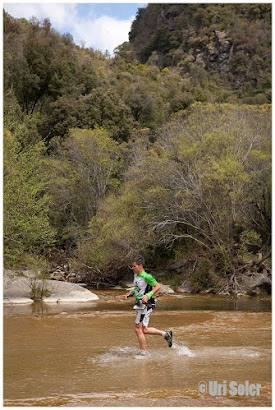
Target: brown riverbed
(68,355)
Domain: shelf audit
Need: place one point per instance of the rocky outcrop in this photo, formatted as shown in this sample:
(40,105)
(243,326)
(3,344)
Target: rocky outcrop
(65,274)
(69,292)
(17,290)
(186,287)
(262,283)
(165,290)
(177,266)
(218,38)
(219,49)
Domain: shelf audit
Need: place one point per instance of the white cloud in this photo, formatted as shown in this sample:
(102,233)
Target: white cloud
(99,32)
(104,33)
(59,14)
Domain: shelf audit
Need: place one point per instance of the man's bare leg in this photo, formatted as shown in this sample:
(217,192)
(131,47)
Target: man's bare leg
(140,336)
(152,331)
(168,336)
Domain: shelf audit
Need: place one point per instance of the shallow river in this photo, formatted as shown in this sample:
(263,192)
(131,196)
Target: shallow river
(83,355)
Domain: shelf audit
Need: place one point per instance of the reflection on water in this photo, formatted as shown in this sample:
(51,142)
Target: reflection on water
(111,300)
(85,357)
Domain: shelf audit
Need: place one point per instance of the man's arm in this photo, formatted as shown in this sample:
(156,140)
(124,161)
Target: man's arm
(155,289)
(130,293)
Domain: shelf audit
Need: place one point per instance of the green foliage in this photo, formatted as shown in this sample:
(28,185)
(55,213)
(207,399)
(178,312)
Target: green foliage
(99,108)
(250,241)
(24,128)
(116,232)
(59,86)
(39,292)
(158,150)
(224,258)
(124,53)
(250,237)
(196,183)
(86,167)
(202,276)
(39,287)
(26,223)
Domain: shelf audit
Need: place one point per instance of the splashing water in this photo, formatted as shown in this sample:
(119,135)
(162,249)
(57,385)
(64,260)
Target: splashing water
(117,353)
(182,350)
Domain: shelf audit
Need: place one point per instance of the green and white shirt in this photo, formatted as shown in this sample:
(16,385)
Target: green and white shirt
(144,282)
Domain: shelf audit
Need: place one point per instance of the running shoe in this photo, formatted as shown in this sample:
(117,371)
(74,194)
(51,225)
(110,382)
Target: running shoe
(169,337)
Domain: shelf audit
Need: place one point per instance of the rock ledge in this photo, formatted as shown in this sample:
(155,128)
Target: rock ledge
(18,290)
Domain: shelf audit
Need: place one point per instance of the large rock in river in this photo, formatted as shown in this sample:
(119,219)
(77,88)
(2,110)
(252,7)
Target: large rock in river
(165,289)
(69,292)
(18,290)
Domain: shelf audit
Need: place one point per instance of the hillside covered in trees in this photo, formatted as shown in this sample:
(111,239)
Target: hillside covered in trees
(162,150)
(231,42)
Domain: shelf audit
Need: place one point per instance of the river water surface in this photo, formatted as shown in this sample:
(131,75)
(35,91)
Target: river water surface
(83,355)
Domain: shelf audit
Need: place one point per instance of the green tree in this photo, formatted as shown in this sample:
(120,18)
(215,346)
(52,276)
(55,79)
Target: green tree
(26,223)
(116,232)
(85,168)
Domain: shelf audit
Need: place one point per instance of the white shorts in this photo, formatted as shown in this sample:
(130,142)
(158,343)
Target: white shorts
(143,316)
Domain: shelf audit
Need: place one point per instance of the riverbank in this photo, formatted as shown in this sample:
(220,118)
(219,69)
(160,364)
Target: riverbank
(253,278)
(18,292)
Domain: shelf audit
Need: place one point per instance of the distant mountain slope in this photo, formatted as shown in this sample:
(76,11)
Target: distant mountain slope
(232,40)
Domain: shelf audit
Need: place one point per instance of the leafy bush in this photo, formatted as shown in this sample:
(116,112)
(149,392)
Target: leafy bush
(27,227)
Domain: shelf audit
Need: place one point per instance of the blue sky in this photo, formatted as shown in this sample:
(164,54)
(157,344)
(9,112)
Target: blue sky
(102,26)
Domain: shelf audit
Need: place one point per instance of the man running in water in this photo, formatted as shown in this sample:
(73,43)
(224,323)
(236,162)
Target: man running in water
(145,288)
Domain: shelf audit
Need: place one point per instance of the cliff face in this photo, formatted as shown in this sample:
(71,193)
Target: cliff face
(233,40)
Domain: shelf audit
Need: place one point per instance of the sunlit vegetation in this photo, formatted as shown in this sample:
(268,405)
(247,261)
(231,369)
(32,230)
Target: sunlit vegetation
(162,150)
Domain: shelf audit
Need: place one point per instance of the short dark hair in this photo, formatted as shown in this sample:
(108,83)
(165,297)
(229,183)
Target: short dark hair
(139,261)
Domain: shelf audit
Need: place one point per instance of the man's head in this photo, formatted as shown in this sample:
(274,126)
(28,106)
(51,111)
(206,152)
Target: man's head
(137,265)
